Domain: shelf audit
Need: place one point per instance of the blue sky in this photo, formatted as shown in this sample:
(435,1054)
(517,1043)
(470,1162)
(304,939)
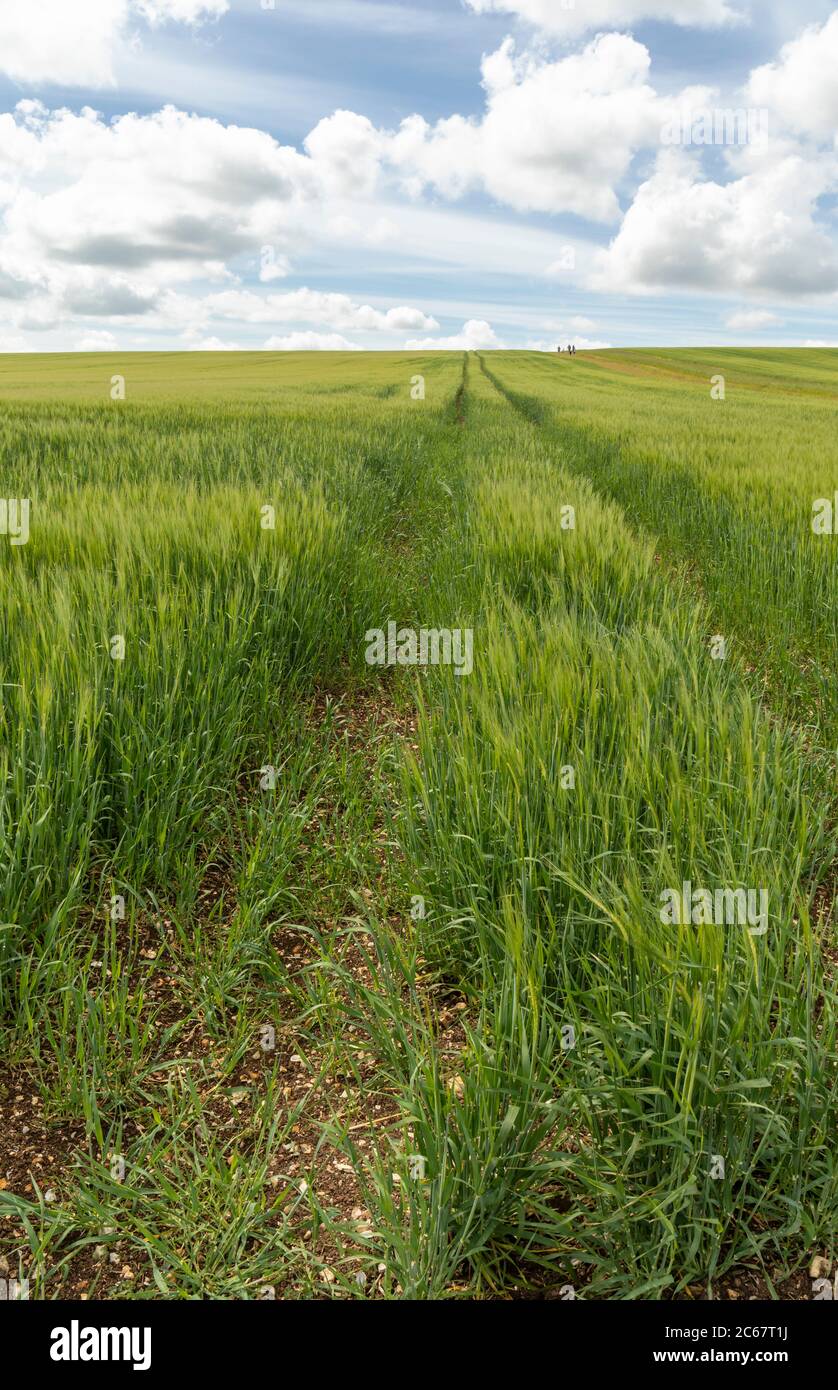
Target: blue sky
(378,174)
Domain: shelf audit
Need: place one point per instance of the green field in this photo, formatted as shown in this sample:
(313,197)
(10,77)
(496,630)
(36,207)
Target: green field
(325,978)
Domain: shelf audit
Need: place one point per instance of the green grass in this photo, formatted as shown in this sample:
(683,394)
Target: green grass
(726,486)
(566,1065)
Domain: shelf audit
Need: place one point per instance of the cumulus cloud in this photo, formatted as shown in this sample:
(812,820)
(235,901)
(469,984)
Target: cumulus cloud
(555,137)
(347,149)
(15,287)
(475,335)
(801,86)
(144,201)
(313,306)
(123,219)
(52,41)
(110,219)
(181,11)
(752,319)
(759,232)
(214,345)
(75,44)
(107,297)
(311,342)
(567,21)
(96,341)
(762,226)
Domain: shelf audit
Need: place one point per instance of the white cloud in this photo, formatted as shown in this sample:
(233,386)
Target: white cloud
(765,228)
(180,11)
(557,18)
(57,41)
(214,345)
(108,219)
(94,295)
(476,334)
(74,43)
(311,342)
(147,200)
(551,345)
(748,319)
(348,149)
(801,87)
(97,341)
(555,137)
(312,306)
(116,220)
(756,233)
(156,217)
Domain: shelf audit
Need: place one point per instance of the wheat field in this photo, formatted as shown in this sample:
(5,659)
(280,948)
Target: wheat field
(418,815)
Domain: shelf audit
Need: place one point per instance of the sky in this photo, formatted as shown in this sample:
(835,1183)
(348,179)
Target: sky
(391,174)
